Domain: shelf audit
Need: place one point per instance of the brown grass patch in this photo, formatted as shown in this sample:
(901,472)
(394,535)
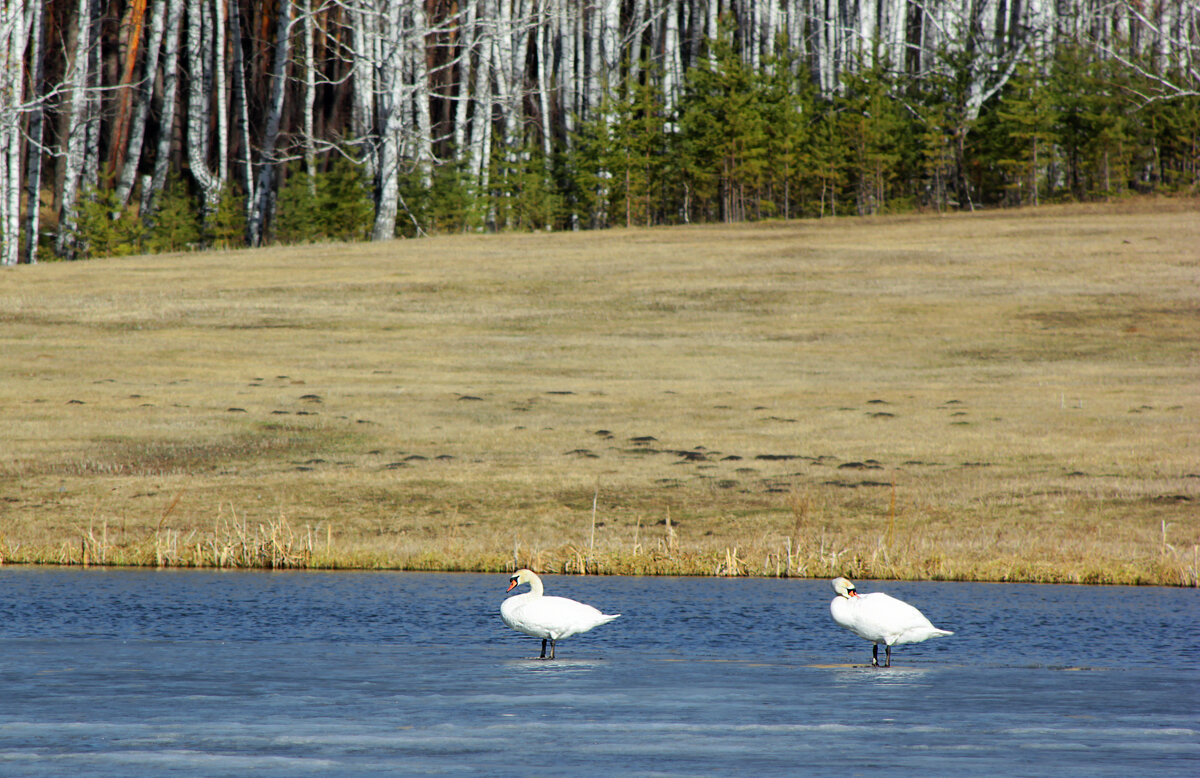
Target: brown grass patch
(1004,396)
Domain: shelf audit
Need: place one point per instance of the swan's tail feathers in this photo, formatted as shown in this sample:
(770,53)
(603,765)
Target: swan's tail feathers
(607,617)
(939,633)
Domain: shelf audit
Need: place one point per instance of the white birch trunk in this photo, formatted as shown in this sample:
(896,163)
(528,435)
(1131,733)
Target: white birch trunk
(221,89)
(771,24)
(579,37)
(243,108)
(672,67)
(199,100)
(564,24)
(637,30)
(502,59)
(894,32)
(797,37)
(76,141)
(753,34)
(170,88)
(508,48)
(308,100)
(462,105)
(479,156)
(420,98)
(89,179)
(264,187)
(14,32)
(610,39)
(543,32)
(364,18)
(33,155)
(595,62)
(391,121)
(565,13)
(861,21)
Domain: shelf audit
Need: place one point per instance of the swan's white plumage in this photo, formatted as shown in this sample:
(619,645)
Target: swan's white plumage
(880,618)
(548,618)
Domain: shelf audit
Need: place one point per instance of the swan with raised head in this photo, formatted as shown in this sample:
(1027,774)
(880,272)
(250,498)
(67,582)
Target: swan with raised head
(548,618)
(880,618)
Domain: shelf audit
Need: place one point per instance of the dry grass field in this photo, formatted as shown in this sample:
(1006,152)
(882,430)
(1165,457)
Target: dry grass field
(1000,396)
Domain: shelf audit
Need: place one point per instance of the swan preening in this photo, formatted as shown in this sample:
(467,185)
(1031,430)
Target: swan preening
(880,618)
(548,618)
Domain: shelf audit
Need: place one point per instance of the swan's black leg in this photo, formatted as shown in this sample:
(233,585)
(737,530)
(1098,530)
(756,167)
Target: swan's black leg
(874,655)
(889,657)
(543,656)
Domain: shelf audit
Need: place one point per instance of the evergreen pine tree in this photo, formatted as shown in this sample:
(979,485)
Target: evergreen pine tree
(1024,124)
(175,224)
(826,158)
(788,107)
(450,206)
(1070,85)
(1109,146)
(333,205)
(227,226)
(297,210)
(99,234)
(723,134)
(345,211)
(871,125)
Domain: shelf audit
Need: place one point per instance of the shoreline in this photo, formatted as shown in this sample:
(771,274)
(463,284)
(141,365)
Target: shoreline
(702,566)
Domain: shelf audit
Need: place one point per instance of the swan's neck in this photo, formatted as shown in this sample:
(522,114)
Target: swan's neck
(535,586)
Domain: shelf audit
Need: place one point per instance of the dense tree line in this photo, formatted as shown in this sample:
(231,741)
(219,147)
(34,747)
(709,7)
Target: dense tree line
(144,125)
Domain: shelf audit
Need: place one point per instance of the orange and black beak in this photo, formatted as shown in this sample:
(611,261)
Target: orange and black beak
(511,584)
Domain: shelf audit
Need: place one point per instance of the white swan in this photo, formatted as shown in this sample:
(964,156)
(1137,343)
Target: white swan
(880,618)
(548,618)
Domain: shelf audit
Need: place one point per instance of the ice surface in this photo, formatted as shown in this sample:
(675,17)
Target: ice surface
(126,673)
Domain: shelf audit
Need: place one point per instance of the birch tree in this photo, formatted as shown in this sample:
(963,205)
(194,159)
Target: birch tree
(241,101)
(391,119)
(36,114)
(307,101)
(364,26)
(479,154)
(468,35)
(14,38)
(399,86)
(205,36)
(264,187)
(418,66)
(76,129)
(542,48)
(170,87)
(672,66)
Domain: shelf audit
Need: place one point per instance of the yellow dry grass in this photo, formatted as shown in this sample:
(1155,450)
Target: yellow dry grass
(999,396)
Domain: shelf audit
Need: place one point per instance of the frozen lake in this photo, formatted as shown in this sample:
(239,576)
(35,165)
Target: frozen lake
(130,673)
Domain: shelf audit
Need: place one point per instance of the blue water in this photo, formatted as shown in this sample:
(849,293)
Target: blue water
(130,673)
